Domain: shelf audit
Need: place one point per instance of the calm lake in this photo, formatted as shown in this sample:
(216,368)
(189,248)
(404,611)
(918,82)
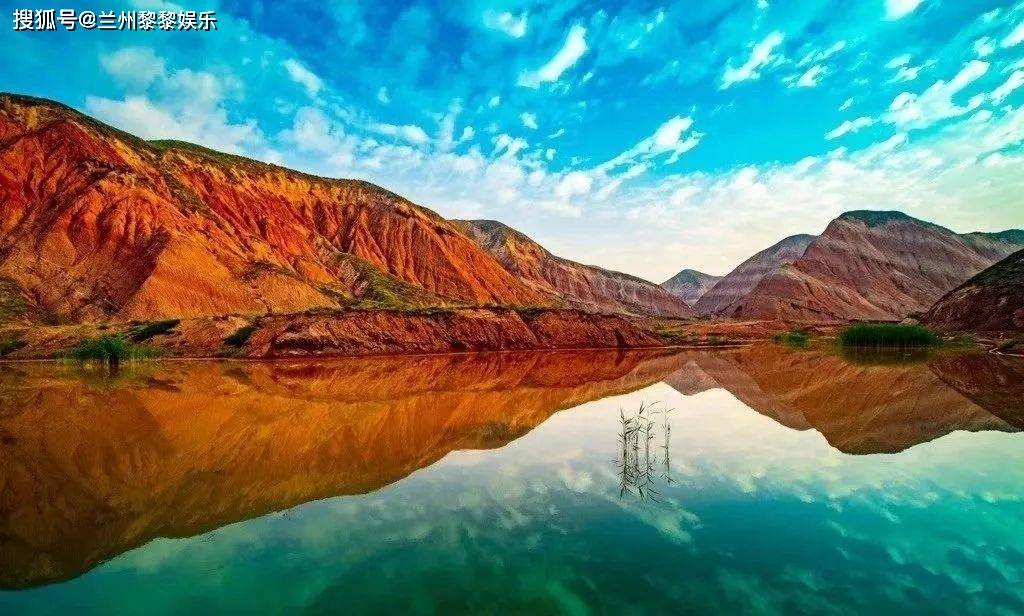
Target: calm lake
(761,480)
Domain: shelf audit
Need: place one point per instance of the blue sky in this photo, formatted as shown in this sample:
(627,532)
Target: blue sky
(641,136)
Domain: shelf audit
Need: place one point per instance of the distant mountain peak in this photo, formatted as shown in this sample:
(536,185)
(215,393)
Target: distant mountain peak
(799,238)
(877,218)
(690,285)
(688,276)
(873,218)
(870,264)
(741,280)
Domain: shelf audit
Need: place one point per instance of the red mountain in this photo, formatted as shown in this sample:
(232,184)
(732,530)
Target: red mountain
(991,301)
(97,224)
(580,285)
(736,284)
(874,265)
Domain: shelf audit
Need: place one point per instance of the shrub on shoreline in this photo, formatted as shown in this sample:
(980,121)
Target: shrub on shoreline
(240,337)
(887,335)
(156,328)
(793,338)
(110,349)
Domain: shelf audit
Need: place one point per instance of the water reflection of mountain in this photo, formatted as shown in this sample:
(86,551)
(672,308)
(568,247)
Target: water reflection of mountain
(865,408)
(93,466)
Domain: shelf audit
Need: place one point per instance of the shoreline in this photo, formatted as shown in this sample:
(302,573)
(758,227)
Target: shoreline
(383,332)
(306,358)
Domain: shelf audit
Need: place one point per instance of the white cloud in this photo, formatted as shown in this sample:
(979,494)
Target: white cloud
(904,71)
(897,9)
(446,140)
(508,145)
(176,104)
(1014,38)
(936,103)
(635,171)
(574,47)
(673,137)
(408,132)
(134,67)
(560,208)
(529,120)
(898,61)
(878,149)
(506,22)
(150,120)
(314,133)
(494,102)
(984,46)
(669,135)
(849,126)
(1014,81)
(382,95)
(846,104)
(574,183)
(816,57)
(811,77)
(303,76)
(760,56)
(311,131)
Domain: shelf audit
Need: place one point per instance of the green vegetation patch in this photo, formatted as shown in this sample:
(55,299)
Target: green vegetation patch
(222,158)
(794,338)
(1011,343)
(149,330)
(240,337)
(531,312)
(10,345)
(111,350)
(962,340)
(382,291)
(887,335)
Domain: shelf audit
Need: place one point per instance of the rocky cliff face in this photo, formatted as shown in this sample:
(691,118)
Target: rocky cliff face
(580,285)
(873,265)
(690,285)
(383,332)
(97,224)
(738,283)
(991,301)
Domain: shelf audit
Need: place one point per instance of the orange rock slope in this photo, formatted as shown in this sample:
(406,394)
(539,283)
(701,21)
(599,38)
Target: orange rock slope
(873,265)
(97,224)
(581,285)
